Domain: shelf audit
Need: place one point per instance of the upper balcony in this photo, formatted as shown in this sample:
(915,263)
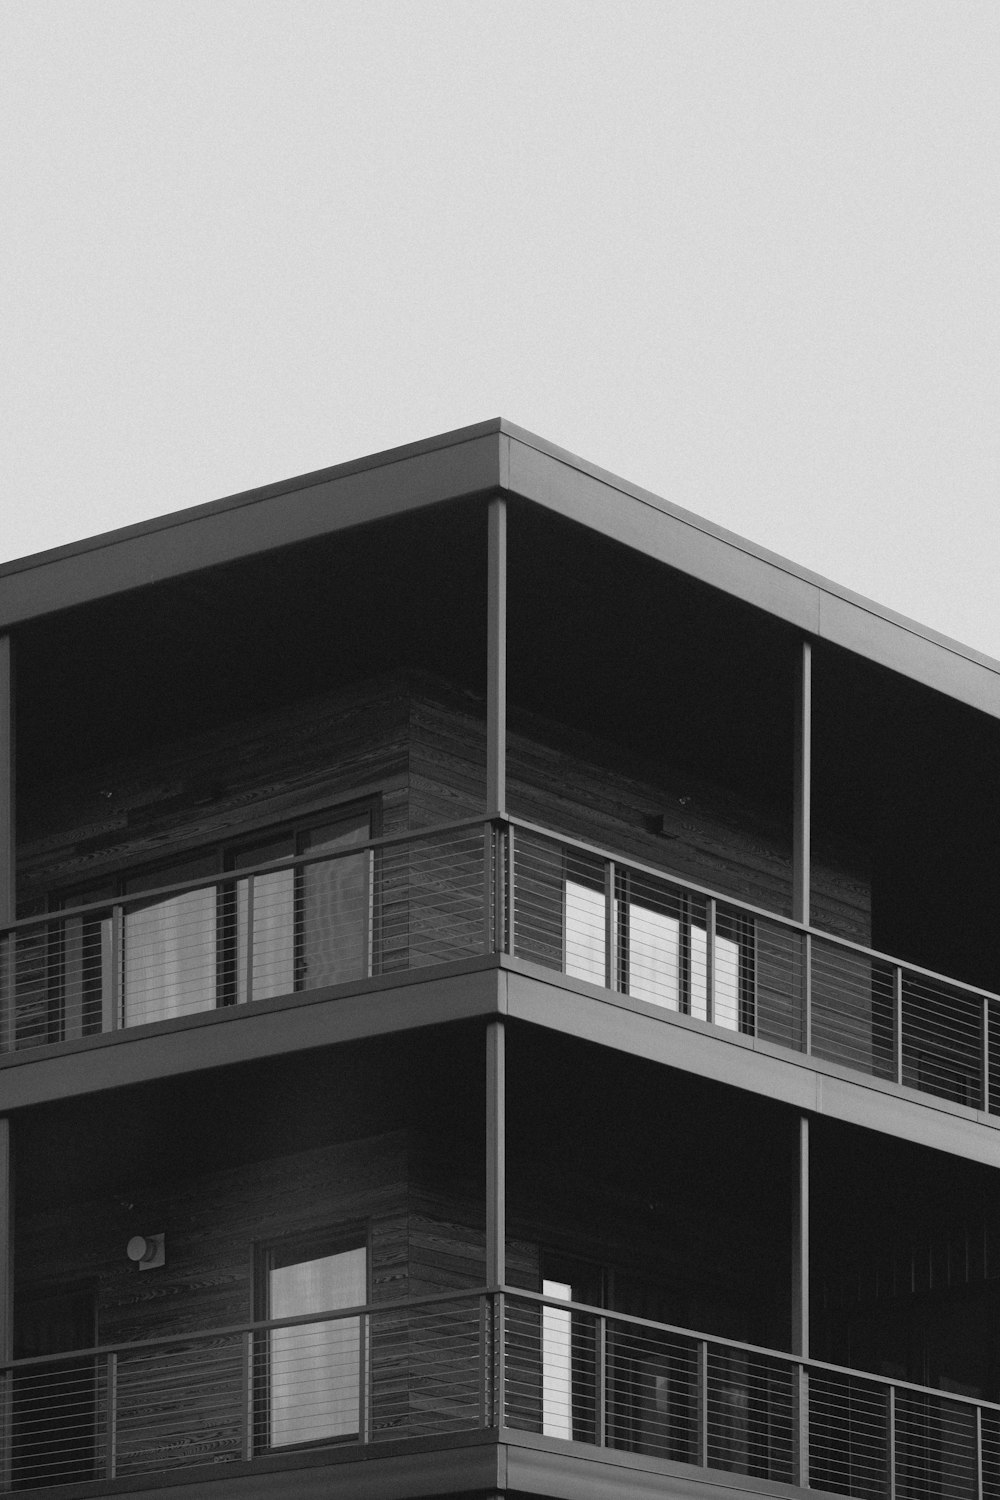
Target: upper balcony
(663,765)
(352,914)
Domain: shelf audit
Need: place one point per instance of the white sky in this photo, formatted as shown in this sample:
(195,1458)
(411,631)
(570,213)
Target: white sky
(743,252)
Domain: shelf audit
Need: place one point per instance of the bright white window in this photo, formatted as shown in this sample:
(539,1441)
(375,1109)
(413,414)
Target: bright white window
(654,956)
(557,1362)
(585,937)
(314,1369)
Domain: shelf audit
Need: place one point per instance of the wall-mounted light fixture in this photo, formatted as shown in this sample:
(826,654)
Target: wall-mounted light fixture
(146,1250)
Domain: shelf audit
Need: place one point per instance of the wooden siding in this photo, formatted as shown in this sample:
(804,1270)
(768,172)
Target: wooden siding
(423,747)
(256,773)
(597,792)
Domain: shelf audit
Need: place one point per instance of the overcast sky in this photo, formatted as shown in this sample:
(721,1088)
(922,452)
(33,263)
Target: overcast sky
(742,252)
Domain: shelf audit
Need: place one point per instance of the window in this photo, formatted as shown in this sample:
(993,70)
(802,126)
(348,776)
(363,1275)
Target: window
(312,1375)
(661,934)
(569,1347)
(223,942)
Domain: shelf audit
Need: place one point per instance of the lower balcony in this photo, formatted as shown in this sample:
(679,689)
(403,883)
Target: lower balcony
(376,909)
(510,1366)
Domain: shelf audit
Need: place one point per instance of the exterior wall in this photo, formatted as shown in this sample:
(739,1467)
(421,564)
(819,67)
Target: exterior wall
(423,749)
(596,793)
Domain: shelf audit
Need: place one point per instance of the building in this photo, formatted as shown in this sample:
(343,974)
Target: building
(500,1001)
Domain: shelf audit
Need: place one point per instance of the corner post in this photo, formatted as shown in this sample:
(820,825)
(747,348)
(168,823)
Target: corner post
(496,660)
(7,902)
(802,787)
(800,1246)
(496,1207)
(6,1301)
(800,1303)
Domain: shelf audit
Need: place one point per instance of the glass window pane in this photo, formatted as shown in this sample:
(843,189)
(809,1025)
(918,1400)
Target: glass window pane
(273,904)
(654,956)
(699,972)
(557,1363)
(170,948)
(585,937)
(335,917)
(727,983)
(314,1368)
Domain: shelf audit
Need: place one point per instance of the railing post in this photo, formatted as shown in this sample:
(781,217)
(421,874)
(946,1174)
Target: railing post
(897,1021)
(807,993)
(601,1381)
(979,1453)
(502,885)
(113,1013)
(610,928)
(984,1081)
(703,1403)
(485,1351)
(801,1426)
(890,1468)
(248,1347)
(248,956)
(710,959)
(500,1358)
(111,1433)
(363,1395)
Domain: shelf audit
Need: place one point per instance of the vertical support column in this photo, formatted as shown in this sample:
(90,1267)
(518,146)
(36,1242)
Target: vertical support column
(496,1210)
(802,786)
(6,1299)
(800,1302)
(800,1247)
(496,660)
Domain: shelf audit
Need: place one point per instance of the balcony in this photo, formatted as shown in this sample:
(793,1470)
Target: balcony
(510,1366)
(472,890)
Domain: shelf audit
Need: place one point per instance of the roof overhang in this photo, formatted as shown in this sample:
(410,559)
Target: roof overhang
(492,457)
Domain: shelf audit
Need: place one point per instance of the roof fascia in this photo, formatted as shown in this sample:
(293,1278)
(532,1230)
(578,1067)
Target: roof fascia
(454,465)
(548,476)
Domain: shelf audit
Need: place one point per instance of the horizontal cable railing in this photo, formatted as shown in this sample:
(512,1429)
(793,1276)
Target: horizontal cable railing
(388,906)
(642,933)
(589,1376)
(401,903)
(458,1363)
(361,1375)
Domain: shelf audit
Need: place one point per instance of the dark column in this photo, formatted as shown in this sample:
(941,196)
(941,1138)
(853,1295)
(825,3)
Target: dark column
(801,814)
(496,1104)
(800,1248)
(496,661)
(6,781)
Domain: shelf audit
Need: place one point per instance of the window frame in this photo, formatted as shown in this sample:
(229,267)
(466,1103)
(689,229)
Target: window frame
(112,889)
(337,1239)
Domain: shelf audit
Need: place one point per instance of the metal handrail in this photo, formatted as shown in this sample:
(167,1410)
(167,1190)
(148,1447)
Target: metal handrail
(659,872)
(135,1425)
(232,1330)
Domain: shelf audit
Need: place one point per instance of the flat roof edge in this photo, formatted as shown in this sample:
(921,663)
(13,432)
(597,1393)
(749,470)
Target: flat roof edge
(492,456)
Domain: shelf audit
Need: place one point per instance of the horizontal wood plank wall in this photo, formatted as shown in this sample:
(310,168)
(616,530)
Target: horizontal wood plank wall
(170,1414)
(709,835)
(254,774)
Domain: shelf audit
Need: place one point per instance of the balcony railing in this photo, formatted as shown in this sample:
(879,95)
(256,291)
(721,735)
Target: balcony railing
(471,889)
(507,1362)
